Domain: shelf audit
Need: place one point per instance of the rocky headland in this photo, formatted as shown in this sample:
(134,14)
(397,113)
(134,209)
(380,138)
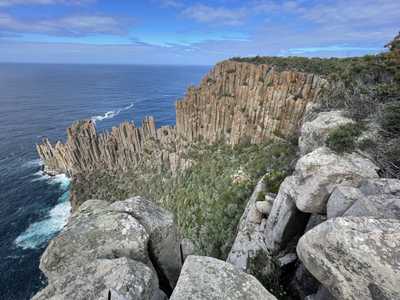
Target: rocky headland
(321,224)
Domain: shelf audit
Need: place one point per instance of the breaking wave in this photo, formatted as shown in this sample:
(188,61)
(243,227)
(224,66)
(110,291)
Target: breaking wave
(42,231)
(111,114)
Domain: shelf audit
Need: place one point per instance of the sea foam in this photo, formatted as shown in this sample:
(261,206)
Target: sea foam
(40,232)
(111,114)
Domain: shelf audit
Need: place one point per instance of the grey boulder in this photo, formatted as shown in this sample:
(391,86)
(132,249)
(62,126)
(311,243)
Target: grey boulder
(354,258)
(206,278)
(164,241)
(319,172)
(314,133)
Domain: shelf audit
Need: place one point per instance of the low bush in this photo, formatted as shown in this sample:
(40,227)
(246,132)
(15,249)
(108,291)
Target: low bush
(390,119)
(343,139)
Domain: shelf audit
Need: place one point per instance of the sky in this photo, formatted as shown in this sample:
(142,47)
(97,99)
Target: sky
(186,32)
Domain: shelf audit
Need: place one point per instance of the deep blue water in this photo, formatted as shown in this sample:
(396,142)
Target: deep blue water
(43,100)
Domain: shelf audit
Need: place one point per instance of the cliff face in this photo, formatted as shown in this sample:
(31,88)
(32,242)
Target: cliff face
(243,101)
(235,102)
(122,148)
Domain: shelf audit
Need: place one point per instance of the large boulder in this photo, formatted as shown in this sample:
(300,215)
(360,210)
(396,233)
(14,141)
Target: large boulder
(341,199)
(95,231)
(319,172)
(354,258)
(164,243)
(285,221)
(113,248)
(250,238)
(121,277)
(314,133)
(379,198)
(206,278)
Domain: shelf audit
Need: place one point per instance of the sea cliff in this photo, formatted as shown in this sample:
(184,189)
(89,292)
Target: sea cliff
(235,103)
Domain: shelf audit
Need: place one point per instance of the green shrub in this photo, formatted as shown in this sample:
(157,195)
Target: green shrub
(343,138)
(390,120)
(265,267)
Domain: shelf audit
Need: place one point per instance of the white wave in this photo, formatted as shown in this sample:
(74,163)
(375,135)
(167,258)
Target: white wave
(111,114)
(40,232)
(33,163)
(60,179)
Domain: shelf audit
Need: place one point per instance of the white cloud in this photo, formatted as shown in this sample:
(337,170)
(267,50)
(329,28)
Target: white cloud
(43,2)
(215,15)
(78,25)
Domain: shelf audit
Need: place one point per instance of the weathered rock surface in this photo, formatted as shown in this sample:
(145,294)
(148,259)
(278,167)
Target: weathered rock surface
(112,248)
(285,221)
(234,102)
(354,258)
(314,133)
(319,172)
(122,277)
(206,278)
(164,241)
(341,199)
(378,198)
(250,238)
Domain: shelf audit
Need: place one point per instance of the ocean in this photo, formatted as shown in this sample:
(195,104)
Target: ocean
(42,100)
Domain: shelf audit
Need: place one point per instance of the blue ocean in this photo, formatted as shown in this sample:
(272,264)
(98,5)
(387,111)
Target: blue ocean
(39,100)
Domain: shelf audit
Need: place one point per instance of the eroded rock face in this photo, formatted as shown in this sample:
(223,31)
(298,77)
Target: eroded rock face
(314,133)
(354,258)
(128,248)
(378,198)
(206,278)
(319,172)
(123,278)
(235,102)
(164,241)
(250,239)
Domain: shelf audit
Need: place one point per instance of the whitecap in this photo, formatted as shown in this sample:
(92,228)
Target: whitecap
(111,114)
(60,179)
(33,163)
(40,232)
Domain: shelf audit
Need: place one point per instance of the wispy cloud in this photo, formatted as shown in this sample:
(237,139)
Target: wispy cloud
(4,3)
(77,25)
(215,15)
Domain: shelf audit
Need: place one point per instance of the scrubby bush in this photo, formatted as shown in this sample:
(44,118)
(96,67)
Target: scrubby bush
(265,267)
(390,119)
(343,138)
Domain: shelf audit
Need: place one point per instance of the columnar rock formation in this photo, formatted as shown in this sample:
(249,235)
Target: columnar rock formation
(235,102)
(238,101)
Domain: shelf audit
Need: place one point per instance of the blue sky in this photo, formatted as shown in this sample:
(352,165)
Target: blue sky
(191,32)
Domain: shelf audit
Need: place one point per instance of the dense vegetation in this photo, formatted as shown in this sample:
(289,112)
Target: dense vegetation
(209,198)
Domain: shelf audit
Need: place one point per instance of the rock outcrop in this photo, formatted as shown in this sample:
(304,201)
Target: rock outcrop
(235,102)
(314,133)
(238,101)
(354,258)
(129,248)
(206,278)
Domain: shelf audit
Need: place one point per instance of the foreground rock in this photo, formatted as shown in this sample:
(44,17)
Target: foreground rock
(314,133)
(115,249)
(250,238)
(164,242)
(319,172)
(354,258)
(378,198)
(206,278)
